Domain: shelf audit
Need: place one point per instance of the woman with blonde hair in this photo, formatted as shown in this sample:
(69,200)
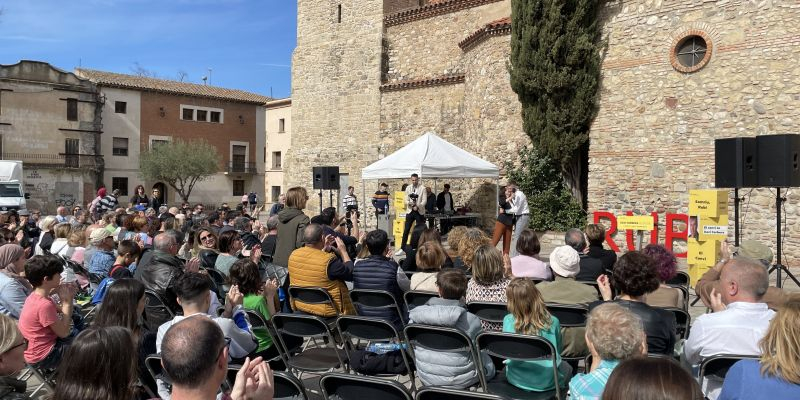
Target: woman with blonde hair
(12,360)
(46,238)
(489,280)
(430,259)
(453,237)
(528,316)
(60,246)
(776,374)
(473,238)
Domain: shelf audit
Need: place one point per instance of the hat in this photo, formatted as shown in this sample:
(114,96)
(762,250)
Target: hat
(755,250)
(565,261)
(98,235)
(23,213)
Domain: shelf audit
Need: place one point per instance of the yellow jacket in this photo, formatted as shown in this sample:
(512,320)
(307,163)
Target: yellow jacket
(308,267)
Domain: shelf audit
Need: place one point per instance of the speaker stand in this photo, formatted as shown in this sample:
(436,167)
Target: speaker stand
(736,202)
(778,267)
(320,201)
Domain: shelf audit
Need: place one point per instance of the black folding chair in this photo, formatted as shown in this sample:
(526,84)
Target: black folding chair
(153,302)
(317,359)
(376,299)
(683,321)
(156,370)
(314,296)
(353,387)
(219,282)
(286,385)
(371,330)
(440,393)
(444,340)
(493,312)
(257,321)
(680,279)
(570,316)
(517,347)
(415,298)
(716,367)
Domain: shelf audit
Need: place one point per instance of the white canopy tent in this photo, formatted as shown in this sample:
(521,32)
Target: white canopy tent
(431,157)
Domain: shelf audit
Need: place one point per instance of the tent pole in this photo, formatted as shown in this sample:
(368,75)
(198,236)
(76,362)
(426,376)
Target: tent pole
(497,197)
(364,199)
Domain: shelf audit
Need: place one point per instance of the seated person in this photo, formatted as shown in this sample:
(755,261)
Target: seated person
(315,265)
(14,288)
(591,268)
(430,258)
(45,325)
(776,374)
(527,263)
(667,268)
(194,296)
(613,335)
(528,316)
(103,256)
(455,370)
(653,379)
(127,253)
(739,321)
(634,277)
(596,235)
(258,296)
(379,272)
(159,274)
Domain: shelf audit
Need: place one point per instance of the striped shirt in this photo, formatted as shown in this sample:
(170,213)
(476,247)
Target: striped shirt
(590,386)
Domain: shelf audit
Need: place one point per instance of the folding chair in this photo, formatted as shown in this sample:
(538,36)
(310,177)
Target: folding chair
(440,393)
(154,302)
(493,312)
(680,279)
(415,298)
(316,359)
(219,282)
(46,379)
(371,330)
(352,387)
(367,300)
(287,387)
(569,316)
(257,321)
(517,347)
(444,340)
(716,367)
(314,295)
(683,321)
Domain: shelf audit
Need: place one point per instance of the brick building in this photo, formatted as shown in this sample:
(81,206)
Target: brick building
(141,111)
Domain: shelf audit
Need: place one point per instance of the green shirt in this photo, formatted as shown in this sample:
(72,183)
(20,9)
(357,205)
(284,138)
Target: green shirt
(536,376)
(258,303)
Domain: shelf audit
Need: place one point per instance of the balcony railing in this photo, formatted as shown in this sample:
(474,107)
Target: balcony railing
(75,161)
(235,167)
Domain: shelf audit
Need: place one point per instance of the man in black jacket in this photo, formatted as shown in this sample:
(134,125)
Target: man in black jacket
(380,272)
(596,234)
(591,268)
(159,274)
(444,202)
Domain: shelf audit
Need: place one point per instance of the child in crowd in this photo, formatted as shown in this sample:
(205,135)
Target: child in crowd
(44,324)
(454,369)
(127,254)
(529,316)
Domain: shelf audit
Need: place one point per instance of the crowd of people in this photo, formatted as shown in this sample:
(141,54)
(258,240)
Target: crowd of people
(183,285)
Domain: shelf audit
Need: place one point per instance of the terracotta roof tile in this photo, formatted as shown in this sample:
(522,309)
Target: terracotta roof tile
(432,9)
(449,79)
(112,79)
(497,27)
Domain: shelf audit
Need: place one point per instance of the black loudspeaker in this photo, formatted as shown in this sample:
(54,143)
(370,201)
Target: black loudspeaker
(778,160)
(735,163)
(326,178)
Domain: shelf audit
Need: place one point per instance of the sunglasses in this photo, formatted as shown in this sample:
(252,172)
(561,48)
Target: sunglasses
(227,344)
(206,238)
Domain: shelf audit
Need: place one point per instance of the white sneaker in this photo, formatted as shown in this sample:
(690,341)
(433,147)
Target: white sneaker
(399,252)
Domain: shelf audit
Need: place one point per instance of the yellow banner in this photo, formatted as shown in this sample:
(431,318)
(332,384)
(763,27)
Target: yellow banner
(708,203)
(635,222)
(702,253)
(399,202)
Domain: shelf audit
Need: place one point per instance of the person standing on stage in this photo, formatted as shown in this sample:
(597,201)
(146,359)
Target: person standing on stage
(519,207)
(349,201)
(380,200)
(415,196)
(445,204)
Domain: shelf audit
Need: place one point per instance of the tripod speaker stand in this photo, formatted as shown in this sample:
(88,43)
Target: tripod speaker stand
(778,267)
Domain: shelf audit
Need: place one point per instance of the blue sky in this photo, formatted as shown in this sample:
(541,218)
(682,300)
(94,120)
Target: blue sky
(247,43)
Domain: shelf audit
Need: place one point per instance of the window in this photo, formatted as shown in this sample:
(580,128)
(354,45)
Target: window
(155,142)
(276,193)
(691,52)
(281,125)
(188,114)
(121,184)
(215,116)
(120,107)
(238,187)
(238,158)
(72,109)
(202,115)
(276,160)
(265,154)
(71,151)
(339,13)
(119,146)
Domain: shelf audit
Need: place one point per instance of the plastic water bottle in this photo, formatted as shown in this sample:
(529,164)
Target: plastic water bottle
(386,209)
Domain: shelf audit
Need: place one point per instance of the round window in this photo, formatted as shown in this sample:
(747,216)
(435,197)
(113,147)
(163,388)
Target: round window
(691,52)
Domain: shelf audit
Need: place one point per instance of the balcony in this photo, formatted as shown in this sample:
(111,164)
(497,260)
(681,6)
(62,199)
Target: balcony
(235,167)
(69,161)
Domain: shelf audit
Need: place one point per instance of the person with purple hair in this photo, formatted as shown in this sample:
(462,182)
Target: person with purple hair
(667,267)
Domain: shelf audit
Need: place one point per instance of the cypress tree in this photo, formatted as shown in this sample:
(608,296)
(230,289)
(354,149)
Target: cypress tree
(555,71)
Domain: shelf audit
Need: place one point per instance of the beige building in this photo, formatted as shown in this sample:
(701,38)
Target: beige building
(369,76)
(279,138)
(142,111)
(50,120)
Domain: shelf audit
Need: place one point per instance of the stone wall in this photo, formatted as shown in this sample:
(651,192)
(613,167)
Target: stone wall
(653,139)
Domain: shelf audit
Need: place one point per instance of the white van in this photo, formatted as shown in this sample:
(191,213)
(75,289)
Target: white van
(12,196)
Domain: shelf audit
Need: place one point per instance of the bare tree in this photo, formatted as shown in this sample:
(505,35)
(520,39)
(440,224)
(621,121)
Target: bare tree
(182,75)
(139,70)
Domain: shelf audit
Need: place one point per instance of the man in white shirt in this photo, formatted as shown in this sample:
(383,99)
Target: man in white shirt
(349,201)
(739,321)
(519,207)
(415,196)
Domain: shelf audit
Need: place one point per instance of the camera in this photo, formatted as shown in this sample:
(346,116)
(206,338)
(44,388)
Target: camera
(413,197)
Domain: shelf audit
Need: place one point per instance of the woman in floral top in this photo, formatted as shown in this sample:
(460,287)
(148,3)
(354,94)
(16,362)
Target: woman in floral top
(489,280)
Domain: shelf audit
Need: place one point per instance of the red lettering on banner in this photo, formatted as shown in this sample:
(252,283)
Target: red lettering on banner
(610,231)
(670,235)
